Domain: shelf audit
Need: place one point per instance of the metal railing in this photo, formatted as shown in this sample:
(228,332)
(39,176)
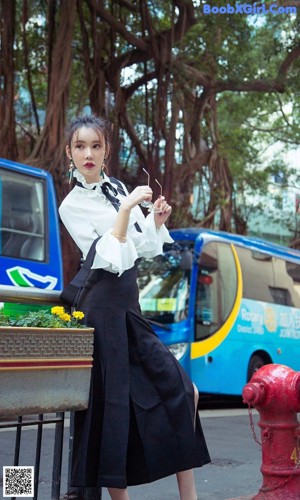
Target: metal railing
(29,296)
(40,421)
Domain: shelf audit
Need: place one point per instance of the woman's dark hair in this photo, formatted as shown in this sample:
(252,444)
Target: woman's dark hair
(100,125)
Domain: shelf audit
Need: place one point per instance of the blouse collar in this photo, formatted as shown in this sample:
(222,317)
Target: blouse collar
(87,185)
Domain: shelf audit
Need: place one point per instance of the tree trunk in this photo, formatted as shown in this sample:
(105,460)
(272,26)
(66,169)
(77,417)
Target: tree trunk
(49,150)
(8,140)
(50,145)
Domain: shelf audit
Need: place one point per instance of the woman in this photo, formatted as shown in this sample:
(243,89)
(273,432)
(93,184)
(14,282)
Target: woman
(141,423)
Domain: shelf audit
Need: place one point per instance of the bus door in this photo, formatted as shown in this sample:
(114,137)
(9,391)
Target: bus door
(215,311)
(30,251)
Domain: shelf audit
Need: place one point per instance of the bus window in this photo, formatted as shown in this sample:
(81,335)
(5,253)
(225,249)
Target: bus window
(293,271)
(258,275)
(22,232)
(281,296)
(269,279)
(216,288)
(164,283)
(287,280)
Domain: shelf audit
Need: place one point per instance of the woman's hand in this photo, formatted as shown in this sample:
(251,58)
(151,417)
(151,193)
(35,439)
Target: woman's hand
(162,211)
(139,194)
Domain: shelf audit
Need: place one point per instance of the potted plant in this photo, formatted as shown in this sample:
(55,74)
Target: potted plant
(45,362)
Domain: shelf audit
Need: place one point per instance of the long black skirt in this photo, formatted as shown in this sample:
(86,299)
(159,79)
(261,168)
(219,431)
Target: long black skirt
(139,425)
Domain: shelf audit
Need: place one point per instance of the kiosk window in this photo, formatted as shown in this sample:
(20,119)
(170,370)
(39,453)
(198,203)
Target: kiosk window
(22,216)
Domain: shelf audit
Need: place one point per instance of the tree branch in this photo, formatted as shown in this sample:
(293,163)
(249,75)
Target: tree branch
(139,82)
(276,85)
(144,48)
(288,61)
(118,26)
(250,85)
(127,5)
(206,81)
(140,150)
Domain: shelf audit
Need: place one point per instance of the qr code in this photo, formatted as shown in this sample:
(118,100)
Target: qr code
(18,481)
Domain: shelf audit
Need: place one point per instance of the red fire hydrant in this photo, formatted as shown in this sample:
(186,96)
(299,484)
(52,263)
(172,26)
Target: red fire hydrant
(274,390)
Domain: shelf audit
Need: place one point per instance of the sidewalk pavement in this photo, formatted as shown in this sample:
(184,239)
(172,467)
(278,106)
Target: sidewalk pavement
(242,498)
(233,474)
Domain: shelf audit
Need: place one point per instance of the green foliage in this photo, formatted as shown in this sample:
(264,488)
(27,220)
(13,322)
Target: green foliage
(57,318)
(229,50)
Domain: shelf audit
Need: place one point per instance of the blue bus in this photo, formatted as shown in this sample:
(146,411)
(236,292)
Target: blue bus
(30,248)
(225,305)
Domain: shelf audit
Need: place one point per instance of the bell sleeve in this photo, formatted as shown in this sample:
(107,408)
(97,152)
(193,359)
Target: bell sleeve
(114,256)
(150,241)
(117,257)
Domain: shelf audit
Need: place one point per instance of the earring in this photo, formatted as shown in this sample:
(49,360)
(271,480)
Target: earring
(102,169)
(71,169)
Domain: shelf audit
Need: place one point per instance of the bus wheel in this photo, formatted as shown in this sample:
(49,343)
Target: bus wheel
(256,362)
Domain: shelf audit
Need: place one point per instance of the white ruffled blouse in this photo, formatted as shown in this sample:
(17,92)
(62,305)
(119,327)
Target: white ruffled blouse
(87,214)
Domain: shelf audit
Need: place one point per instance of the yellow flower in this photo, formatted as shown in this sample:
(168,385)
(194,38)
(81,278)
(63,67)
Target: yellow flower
(65,317)
(78,315)
(58,310)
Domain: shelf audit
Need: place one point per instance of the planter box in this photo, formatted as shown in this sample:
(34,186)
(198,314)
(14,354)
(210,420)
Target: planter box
(44,370)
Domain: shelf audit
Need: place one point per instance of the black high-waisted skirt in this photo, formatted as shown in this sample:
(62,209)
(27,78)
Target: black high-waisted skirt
(139,425)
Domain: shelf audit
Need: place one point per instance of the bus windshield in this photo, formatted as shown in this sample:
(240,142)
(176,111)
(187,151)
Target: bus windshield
(164,283)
